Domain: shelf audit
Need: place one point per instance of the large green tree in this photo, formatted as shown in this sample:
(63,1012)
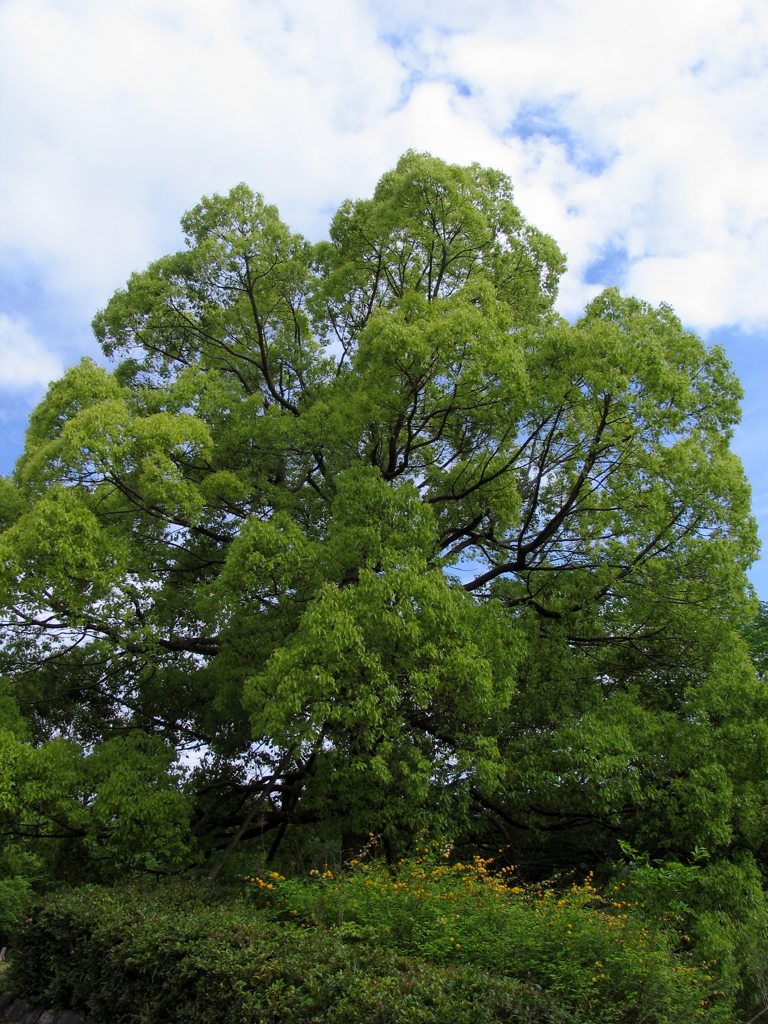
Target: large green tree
(364,536)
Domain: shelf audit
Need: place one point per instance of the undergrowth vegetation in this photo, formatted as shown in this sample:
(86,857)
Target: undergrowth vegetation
(427,940)
(171,956)
(604,956)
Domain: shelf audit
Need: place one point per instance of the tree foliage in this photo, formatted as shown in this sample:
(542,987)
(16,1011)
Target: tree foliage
(365,536)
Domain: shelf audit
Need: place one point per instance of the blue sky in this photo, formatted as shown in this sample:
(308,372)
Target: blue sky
(636,133)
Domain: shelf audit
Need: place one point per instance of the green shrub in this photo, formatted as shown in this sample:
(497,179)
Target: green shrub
(13,892)
(428,941)
(717,909)
(600,957)
(137,957)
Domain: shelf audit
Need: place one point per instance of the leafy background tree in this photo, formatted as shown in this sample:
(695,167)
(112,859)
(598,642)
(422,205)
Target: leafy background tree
(363,537)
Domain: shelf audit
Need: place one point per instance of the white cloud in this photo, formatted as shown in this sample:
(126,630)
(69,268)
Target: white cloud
(636,132)
(24,362)
(641,125)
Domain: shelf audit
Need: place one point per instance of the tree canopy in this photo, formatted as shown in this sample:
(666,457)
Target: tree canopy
(364,537)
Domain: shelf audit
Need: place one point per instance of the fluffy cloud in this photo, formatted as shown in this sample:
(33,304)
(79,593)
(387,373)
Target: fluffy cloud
(633,129)
(25,364)
(636,133)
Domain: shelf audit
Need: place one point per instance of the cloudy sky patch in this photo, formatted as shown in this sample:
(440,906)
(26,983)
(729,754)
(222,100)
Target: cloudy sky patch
(25,362)
(636,133)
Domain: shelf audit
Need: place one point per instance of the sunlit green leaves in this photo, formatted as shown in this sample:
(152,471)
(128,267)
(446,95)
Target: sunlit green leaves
(368,523)
(122,799)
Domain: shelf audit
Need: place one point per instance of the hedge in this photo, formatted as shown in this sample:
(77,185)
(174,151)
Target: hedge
(167,956)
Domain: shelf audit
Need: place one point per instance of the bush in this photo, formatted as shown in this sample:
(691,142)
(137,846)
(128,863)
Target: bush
(13,892)
(717,909)
(596,955)
(427,941)
(138,957)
